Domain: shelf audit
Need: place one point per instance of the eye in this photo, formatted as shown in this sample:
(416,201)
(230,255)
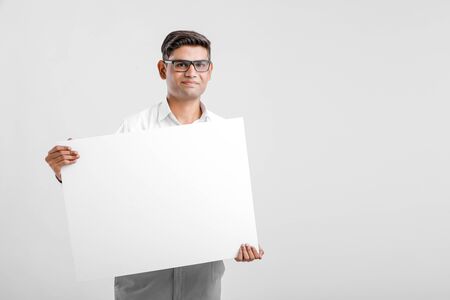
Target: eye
(202,64)
(181,64)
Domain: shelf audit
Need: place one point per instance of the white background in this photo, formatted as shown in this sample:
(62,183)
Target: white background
(346,106)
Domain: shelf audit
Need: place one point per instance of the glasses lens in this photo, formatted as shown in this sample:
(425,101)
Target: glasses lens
(181,65)
(201,65)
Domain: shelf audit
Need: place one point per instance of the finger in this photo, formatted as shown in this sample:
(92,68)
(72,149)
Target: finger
(67,162)
(56,166)
(61,152)
(56,154)
(64,161)
(240,256)
(261,252)
(245,253)
(255,253)
(59,147)
(250,252)
(59,158)
(56,161)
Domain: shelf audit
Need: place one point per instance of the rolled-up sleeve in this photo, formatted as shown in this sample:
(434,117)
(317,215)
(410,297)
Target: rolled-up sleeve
(123,128)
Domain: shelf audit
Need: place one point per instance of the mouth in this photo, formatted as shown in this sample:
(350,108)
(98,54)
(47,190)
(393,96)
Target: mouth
(189,83)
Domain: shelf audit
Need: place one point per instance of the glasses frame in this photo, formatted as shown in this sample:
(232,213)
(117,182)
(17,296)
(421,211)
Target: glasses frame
(190,62)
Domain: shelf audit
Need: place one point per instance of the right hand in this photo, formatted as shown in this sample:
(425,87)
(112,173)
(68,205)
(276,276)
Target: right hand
(60,156)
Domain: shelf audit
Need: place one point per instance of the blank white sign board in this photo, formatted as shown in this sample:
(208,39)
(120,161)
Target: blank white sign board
(170,197)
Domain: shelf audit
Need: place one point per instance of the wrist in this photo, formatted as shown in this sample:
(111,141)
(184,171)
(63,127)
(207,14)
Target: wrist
(59,178)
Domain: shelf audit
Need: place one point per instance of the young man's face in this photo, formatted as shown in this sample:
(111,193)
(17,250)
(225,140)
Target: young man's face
(187,85)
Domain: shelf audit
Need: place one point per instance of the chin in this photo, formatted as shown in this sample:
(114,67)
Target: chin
(191,95)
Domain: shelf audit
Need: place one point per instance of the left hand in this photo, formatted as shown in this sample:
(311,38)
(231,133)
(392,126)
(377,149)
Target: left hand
(249,253)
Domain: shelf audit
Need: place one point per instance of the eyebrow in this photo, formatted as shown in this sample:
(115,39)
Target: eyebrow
(189,59)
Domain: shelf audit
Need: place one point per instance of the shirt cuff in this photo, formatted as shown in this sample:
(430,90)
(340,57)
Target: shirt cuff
(60,181)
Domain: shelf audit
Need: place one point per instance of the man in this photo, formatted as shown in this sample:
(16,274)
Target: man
(186,66)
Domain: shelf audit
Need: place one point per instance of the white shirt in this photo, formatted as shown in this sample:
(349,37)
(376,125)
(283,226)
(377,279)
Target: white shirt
(160,116)
(195,282)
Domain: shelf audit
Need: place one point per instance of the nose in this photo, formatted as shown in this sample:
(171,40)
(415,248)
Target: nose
(191,72)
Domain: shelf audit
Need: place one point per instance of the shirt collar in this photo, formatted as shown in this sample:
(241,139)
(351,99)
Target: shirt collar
(164,112)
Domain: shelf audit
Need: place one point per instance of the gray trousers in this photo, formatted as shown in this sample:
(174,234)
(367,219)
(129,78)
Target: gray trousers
(195,282)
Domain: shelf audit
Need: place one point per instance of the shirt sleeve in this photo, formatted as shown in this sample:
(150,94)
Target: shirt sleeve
(60,181)
(123,128)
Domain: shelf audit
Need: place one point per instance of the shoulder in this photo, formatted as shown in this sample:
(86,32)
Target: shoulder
(141,120)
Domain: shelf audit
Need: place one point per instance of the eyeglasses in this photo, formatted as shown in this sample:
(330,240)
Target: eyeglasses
(184,65)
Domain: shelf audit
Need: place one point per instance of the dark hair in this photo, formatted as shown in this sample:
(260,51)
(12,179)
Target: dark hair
(176,39)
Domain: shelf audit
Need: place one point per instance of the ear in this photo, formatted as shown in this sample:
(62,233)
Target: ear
(211,67)
(162,69)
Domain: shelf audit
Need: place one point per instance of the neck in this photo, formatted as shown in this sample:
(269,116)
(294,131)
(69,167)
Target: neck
(186,111)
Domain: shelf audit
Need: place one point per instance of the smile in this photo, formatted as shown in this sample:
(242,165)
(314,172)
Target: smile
(189,83)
